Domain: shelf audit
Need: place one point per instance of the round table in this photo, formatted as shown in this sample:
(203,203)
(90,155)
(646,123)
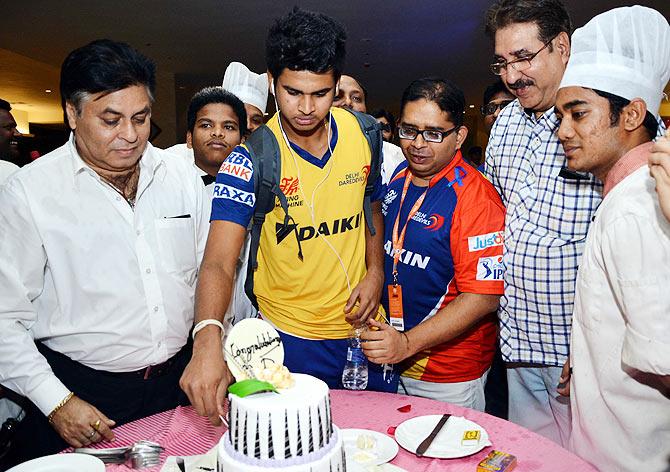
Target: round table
(183,433)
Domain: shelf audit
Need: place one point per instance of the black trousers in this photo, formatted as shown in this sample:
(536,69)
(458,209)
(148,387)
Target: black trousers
(121,398)
(495,390)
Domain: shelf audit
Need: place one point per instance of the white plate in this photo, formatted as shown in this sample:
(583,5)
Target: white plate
(62,463)
(384,450)
(447,444)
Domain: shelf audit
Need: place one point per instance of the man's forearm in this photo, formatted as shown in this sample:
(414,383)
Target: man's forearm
(374,245)
(212,294)
(465,311)
(217,275)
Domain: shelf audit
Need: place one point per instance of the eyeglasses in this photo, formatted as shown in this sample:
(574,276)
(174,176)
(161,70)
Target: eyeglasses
(386,127)
(491,108)
(518,65)
(429,135)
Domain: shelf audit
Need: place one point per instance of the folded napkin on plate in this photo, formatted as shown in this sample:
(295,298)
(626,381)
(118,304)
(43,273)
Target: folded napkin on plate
(450,437)
(198,463)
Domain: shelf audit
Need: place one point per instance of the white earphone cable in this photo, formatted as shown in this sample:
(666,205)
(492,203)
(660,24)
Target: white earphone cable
(310,205)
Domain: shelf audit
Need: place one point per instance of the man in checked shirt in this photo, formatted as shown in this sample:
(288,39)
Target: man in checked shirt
(549,209)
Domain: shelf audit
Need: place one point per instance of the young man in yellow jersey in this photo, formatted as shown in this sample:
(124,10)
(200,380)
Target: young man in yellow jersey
(325,161)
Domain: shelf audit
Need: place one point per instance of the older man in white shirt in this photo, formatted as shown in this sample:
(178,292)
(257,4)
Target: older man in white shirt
(100,243)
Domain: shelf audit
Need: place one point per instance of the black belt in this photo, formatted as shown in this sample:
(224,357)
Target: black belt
(151,372)
(147,373)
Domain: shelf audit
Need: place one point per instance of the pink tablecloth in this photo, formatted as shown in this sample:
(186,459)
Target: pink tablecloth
(182,432)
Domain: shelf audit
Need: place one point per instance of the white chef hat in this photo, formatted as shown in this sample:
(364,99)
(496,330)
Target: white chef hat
(625,52)
(248,86)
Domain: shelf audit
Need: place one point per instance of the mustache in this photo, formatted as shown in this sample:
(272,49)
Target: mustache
(520,84)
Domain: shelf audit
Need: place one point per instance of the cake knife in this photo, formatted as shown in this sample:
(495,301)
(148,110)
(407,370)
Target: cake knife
(425,444)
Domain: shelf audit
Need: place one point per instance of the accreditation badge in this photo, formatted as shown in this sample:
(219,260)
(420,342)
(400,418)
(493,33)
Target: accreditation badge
(396,317)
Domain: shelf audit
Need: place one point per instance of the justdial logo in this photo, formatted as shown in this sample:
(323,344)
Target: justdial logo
(483,241)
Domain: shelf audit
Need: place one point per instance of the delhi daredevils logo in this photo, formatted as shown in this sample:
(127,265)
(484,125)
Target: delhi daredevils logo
(436,222)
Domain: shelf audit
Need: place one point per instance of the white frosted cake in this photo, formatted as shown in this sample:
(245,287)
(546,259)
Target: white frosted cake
(290,431)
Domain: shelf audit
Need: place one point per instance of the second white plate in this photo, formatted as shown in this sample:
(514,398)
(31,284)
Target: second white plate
(384,450)
(447,444)
(61,463)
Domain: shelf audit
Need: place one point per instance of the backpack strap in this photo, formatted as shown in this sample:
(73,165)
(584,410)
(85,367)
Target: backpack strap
(372,130)
(264,152)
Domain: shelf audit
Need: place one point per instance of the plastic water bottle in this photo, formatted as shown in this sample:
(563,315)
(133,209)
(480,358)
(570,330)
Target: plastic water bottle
(355,373)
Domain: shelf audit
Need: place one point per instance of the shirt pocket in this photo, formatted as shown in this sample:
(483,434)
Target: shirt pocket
(566,208)
(591,291)
(176,243)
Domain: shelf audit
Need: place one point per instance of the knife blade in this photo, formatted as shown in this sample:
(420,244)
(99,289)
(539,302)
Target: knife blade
(425,444)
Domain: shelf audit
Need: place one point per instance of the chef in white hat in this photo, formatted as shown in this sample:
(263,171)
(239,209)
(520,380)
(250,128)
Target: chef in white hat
(249,87)
(620,344)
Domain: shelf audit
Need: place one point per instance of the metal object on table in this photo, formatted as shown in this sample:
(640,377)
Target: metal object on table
(180,463)
(425,444)
(140,454)
(140,460)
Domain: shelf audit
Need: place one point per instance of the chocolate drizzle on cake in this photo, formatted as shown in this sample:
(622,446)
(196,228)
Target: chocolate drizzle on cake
(287,447)
(271,444)
(329,419)
(234,433)
(299,439)
(243,428)
(321,439)
(311,435)
(257,440)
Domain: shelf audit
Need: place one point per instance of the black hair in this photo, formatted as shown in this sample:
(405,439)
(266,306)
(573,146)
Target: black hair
(104,66)
(444,93)
(304,40)
(381,113)
(550,16)
(216,95)
(4,105)
(494,89)
(617,104)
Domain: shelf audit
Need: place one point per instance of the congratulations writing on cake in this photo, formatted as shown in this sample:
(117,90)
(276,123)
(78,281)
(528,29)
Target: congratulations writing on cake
(264,344)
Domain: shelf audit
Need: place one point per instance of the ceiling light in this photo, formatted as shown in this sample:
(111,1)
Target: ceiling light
(48,90)
(472,106)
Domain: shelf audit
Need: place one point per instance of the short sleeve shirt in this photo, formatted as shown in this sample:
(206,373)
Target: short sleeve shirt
(306,297)
(453,245)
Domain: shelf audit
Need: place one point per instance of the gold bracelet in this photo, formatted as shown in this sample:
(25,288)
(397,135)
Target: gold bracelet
(59,406)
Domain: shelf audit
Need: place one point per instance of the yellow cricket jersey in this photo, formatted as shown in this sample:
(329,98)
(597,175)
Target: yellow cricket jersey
(306,297)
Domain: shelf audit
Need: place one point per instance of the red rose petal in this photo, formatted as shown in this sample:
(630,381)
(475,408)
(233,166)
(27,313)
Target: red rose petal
(405,408)
(391,430)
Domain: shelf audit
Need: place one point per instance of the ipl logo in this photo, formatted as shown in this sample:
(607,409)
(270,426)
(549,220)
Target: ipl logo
(490,268)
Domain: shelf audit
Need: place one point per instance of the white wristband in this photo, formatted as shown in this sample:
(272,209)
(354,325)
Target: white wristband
(203,323)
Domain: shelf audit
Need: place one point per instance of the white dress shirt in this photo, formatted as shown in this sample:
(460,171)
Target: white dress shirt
(620,332)
(108,286)
(6,169)
(240,307)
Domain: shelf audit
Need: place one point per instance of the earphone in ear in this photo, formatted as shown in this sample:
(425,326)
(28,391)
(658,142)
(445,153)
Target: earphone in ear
(272,87)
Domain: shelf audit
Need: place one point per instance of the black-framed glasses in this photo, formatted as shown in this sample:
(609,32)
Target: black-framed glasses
(491,108)
(429,135)
(386,127)
(521,64)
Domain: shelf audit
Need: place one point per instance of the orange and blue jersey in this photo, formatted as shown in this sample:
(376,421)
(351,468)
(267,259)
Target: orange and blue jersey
(453,245)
